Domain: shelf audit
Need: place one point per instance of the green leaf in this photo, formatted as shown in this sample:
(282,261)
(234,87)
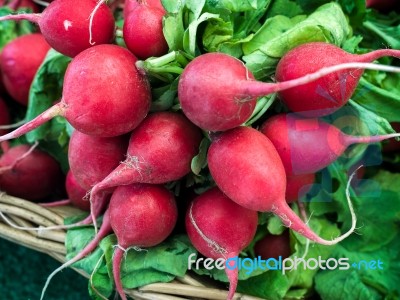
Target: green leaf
(160,263)
(173,27)
(384,27)
(46,88)
(199,162)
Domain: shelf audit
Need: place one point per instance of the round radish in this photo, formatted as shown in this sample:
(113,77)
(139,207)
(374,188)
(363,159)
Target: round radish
(143,31)
(294,137)
(273,246)
(141,216)
(217,92)
(130,5)
(70,28)
(4,115)
(19,62)
(103,94)
(76,194)
(29,173)
(325,95)
(247,168)
(92,158)
(160,150)
(220,228)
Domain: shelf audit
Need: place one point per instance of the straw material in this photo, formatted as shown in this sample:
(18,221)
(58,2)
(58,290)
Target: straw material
(27,214)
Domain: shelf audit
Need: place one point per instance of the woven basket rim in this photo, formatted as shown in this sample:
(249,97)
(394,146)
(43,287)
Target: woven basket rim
(51,242)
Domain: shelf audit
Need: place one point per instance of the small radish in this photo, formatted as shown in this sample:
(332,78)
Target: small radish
(76,194)
(325,95)
(103,94)
(143,31)
(309,145)
(298,185)
(130,5)
(19,62)
(92,158)
(220,228)
(70,28)
(160,150)
(104,230)
(273,246)
(247,168)
(29,173)
(141,216)
(217,92)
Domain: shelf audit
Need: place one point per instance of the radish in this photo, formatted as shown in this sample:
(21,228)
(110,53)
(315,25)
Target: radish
(141,216)
(143,31)
(4,115)
(19,62)
(247,168)
(70,28)
(298,185)
(220,228)
(160,150)
(22,5)
(104,230)
(29,173)
(130,5)
(325,95)
(217,92)
(291,133)
(273,246)
(92,158)
(76,194)
(103,94)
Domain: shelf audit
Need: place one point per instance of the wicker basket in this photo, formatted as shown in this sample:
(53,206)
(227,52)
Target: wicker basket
(51,242)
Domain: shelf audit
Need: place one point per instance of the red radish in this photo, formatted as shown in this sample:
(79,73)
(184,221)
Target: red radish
(104,230)
(29,173)
(160,150)
(325,95)
(298,185)
(4,115)
(141,216)
(247,168)
(383,5)
(19,62)
(273,246)
(220,228)
(130,5)
(291,133)
(70,28)
(92,158)
(143,31)
(217,92)
(76,194)
(103,94)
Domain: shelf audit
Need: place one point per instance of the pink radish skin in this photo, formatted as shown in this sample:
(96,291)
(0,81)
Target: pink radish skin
(19,61)
(130,5)
(217,92)
(34,177)
(298,185)
(141,216)
(220,228)
(325,95)
(290,133)
(103,95)
(66,26)
(160,150)
(92,158)
(76,194)
(247,168)
(143,31)
(104,230)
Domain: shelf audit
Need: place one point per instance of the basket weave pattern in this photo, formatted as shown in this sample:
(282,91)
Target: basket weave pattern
(27,214)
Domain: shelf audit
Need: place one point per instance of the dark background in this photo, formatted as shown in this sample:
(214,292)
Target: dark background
(23,273)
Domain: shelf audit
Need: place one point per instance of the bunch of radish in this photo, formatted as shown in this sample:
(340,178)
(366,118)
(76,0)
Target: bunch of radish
(121,155)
